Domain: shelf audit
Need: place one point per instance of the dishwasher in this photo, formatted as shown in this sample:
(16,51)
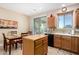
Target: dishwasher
(50,40)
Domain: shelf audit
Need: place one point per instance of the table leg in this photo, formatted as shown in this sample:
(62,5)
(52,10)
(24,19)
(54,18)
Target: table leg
(10,47)
(16,45)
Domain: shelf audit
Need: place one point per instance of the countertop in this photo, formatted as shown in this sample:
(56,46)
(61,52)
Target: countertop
(34,37)
(75,35)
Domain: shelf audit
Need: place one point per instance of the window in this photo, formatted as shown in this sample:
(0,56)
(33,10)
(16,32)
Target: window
(65,20)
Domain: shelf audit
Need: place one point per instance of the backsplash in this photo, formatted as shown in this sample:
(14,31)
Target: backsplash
(77,31)
(69,31)
(62,30)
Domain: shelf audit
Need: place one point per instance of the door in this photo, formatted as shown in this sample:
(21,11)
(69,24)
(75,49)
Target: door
(40,25)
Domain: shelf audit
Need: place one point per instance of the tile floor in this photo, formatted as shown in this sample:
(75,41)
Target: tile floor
(56,51)
(51,51)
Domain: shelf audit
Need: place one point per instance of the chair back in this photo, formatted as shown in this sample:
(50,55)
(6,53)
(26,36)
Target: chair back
(13,32)
(4,40)
(30,32)
(24,34)
(4,36)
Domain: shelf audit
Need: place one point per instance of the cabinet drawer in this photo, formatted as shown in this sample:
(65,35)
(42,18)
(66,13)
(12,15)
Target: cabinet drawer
(45,46)
(45,42)
(38,42)
(45,38)
(39,50)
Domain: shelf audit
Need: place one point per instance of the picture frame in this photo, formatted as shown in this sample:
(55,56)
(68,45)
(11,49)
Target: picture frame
(8,24)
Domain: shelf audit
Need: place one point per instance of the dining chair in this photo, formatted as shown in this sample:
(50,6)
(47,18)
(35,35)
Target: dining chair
(6,43)
(19,41)
(29,32)
(24,34)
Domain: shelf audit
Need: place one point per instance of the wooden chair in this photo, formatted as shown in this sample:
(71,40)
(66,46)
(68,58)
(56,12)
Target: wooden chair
(6,43)
(24,34)
(29,32)
(19,41)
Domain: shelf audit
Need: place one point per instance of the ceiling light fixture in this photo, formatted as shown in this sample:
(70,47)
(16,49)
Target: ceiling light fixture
(64,8)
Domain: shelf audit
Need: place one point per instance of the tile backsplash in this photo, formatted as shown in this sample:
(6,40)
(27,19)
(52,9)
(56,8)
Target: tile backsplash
(69,31)
(62,30)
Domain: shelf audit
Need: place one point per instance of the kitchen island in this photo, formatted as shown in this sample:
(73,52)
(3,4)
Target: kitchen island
(35,45)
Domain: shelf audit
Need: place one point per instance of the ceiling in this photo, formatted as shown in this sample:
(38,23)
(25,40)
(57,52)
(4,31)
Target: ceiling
(32,8)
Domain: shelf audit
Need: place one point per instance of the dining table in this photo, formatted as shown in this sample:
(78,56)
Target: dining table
(10,38)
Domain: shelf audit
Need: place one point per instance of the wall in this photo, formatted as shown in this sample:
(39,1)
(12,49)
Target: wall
(23,21)
(54,12)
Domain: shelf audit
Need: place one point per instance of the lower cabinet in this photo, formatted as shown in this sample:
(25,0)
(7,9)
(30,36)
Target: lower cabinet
(66,42)
(70,43)
(57,41)
(75,44)
(37,46)
(38,50)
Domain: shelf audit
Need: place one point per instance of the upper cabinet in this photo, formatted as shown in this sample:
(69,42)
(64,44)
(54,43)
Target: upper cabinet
(51,21)
(77,18)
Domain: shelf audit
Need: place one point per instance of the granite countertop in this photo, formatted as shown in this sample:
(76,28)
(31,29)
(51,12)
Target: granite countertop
(76,35)
(34,37)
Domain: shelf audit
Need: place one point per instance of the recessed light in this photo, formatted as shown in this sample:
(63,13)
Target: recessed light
(63,5)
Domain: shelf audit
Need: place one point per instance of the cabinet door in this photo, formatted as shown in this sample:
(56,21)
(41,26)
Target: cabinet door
(74,44)
(57,41)
(77,19)
(41,46)
(66,42)
(45,45)
(51,22)
(38,47)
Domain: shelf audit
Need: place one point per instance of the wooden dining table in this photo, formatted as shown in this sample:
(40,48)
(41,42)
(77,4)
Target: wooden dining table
(11,38)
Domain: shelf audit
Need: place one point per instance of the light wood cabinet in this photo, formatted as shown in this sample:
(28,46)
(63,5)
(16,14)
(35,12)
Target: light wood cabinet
(75,44)
(66,42)
(70,43)
(51,21)
(57,41)
(35,45)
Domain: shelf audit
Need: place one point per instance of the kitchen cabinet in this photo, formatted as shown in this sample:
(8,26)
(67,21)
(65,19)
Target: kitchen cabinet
(77,18)
(75,44)
(70,43)
(57,41)
(66,42)
(35,45)
(51,21)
